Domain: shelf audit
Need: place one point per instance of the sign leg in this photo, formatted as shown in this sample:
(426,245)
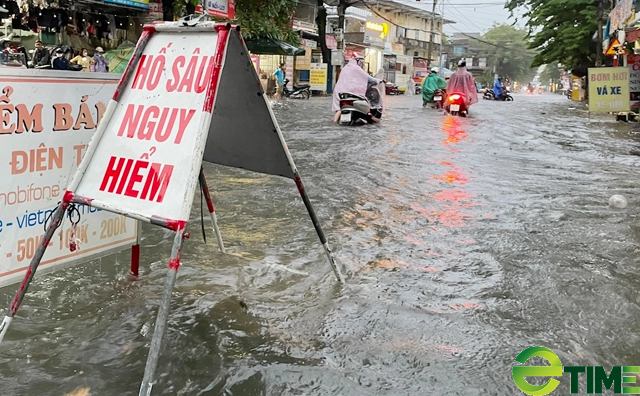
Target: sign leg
(56,220)
(135,253)
(163,314)
(318,227)
(212,210)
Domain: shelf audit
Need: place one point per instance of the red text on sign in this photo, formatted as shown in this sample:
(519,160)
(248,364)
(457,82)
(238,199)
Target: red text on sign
(191,74)
(136,178)
(147,122)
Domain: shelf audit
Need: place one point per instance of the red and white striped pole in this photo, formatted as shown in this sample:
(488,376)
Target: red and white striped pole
(212,210)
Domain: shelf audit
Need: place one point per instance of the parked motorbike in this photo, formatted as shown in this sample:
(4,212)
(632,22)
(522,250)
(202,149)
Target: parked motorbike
(455,105)
(298,92)
(392,89)
(360,110)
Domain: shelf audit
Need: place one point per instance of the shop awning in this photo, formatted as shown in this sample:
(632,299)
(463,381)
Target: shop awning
(271,46)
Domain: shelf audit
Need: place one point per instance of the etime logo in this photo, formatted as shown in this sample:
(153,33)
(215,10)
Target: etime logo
(595,378)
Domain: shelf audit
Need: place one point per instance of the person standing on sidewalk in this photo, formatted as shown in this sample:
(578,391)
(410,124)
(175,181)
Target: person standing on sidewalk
(279,74)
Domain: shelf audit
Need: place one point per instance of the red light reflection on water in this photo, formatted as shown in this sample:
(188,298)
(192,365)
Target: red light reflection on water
(454,131)
(453,176)
(452,196)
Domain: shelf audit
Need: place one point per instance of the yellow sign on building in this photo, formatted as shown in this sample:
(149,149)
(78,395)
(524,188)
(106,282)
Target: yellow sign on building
(318,77)
(383,28)
(608,89)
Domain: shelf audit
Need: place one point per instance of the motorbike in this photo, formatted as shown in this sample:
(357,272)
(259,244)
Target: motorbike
(505,97)
(392,89)
(488,95)
(439,98)
(455,105)
(298,92)
(360,110)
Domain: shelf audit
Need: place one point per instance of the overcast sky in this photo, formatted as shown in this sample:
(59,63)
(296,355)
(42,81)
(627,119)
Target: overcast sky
(471,16)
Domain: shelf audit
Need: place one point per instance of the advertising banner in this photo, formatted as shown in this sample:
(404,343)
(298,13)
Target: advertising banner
(633,62)
(221,8)
(608,89)
(131,3)
(46,122)
(304,62)
(318,77)
(155,13)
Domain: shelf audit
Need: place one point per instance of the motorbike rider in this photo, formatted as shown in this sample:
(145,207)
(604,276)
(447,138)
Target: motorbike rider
(430,85)
(355,80)
(530,88)
(462,82)
(498,88)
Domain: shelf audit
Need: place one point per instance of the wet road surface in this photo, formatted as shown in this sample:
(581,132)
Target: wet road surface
(464,241)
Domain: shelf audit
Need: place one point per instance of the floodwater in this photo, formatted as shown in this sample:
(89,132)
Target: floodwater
(464,242)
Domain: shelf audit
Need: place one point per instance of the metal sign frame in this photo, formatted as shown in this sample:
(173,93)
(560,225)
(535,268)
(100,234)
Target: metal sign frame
(206,146)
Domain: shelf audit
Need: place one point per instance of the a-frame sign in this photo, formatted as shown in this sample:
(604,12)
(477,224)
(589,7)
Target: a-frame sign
(190,92)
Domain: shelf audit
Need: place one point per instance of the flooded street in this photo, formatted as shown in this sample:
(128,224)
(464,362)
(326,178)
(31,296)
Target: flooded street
(464,241)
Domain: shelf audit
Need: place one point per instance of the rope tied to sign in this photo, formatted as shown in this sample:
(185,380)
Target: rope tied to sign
(74,216)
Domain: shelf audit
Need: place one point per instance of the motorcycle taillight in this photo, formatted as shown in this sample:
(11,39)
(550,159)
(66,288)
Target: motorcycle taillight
(454,98)
(346,103)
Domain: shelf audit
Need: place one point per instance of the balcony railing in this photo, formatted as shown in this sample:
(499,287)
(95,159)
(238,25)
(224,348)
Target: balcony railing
(416,44)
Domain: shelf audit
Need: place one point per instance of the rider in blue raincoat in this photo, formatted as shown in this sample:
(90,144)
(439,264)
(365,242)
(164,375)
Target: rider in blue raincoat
(498,88)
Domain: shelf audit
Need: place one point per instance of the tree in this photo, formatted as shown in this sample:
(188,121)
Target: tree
(507,52)
(270,18)
(562,30)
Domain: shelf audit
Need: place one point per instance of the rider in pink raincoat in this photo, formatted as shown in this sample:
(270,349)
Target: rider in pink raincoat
(352,79)
(462,82)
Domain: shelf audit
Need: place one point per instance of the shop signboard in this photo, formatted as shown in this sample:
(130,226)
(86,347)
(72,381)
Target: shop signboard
(131,3)
(309,43)
(331,42)
(44,139)
(304,62)
(155,13)
(221,8)
(318,76)
(633,63)
(608,89)
(288,73)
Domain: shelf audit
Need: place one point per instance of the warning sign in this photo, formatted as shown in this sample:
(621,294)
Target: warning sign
(137,163)
(615,48)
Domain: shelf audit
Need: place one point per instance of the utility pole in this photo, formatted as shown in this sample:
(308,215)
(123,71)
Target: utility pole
(342,8)
(600,33)
(433,19)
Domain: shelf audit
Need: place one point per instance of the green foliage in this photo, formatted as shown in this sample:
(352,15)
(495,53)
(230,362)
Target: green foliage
(507,52)
(267,18)
(257,18)
(550,72)
(562,30)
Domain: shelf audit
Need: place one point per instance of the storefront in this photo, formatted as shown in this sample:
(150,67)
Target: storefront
(87,24)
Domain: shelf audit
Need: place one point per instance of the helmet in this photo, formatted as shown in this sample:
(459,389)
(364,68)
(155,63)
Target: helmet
(435,70)
(358,56)
(462,63)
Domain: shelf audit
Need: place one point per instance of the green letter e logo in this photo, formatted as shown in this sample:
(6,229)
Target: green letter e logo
(554,370)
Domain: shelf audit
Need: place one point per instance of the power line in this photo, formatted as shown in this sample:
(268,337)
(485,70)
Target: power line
(464,16)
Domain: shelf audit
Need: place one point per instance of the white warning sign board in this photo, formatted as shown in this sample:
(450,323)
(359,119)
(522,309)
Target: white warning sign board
(147,159)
